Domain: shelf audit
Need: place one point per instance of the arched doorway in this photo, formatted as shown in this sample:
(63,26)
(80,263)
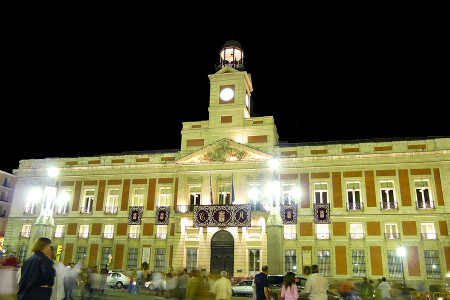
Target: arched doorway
(222,252)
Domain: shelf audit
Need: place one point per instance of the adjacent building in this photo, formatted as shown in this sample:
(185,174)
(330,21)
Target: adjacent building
(233,198)
(7,182)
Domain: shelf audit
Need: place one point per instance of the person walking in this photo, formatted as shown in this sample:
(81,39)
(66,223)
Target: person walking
(182,284)
(316,285)
(289,290)
(37,273)
(262,284)
(385,289)
(222,287)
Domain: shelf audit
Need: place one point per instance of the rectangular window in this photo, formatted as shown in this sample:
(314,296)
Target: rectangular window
(323,231)
(254,195)
(138,197)
(165,196)
(81,252)
(62,202)
(321,193)
(387,195)
(358,263)
(423,195)
(23,249)
(109,232)
(106,252)
(191,259)
(324,262)
(225,194)
(427,231)
(354,196)
(161,232)
(391,231)
(26,230)
(290,232)
(84,231)
(195,196)
(290,193)
(160,259)
(253,260)
(394,264)
(356,231)
(59,231)
(134,231)
(87,202)
(112,201)
(132,258)
(290,261)
(432,264)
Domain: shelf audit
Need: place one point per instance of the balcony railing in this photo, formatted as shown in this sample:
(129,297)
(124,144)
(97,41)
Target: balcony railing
(355,206)
(25,234)
(86,210)
(323,236)
(428,236)
(184,208)
(290,236)
(59,235)
(108,235)
(29,210)
(388,205)
(83,235)
(134,235)
(356,236)
(392,236)
(161,236)
(111,210)
(425,204)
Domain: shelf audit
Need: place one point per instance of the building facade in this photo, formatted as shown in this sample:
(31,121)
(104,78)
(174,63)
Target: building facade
(219,203)
(7,182)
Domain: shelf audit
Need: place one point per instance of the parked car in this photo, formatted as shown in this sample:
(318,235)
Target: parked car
(242,288)
(118,280)
(156,285)
(275,282)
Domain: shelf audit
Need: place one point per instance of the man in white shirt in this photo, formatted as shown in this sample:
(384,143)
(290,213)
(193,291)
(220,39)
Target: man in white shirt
(316,285)
(385,288)
(222,287)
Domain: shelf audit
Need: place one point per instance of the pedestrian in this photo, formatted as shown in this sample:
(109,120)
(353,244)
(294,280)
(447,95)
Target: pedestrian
(385,289)
(182,284)
(195,287)
(363,289)
(8,280)
(58,288)
(289,290)
(37,273)
(316,285)
(262,284)
(222,287)
(70,276)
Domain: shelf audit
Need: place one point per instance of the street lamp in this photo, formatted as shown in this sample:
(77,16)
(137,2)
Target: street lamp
(401,252)
(45,223)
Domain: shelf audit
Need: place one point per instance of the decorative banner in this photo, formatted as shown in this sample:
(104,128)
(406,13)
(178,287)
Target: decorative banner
(162,215)
(135,215)
(222,215)
(322,213)
(289,214)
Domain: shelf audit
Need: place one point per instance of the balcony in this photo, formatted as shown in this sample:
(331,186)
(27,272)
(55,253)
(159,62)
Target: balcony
(392,236)
(86,210)
(83,235)
(108,235)
(425,204)
(25,234)
(353,206)
(29,210)
(428,236)
(111,210)
(388,205)
(161,236)
(290,236)
(356,236)
(59,235)
(322,236)
(134,235)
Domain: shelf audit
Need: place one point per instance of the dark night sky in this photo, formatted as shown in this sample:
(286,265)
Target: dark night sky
(87,88)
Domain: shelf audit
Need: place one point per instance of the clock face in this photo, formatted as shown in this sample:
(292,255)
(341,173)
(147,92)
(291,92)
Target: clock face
(226,94)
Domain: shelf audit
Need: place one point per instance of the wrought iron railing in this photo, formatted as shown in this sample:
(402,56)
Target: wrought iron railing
(111,210)
(388,205)
(428,236)
(355,206)
(356,236)
(392,236)
(425,204)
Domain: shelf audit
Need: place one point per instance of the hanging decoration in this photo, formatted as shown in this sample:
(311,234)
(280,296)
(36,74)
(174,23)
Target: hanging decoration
(135,215)
(289,214)
(322,213)
(162,215)
(222,215)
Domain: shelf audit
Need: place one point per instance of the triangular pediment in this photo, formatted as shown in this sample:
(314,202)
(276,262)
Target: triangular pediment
(225,150)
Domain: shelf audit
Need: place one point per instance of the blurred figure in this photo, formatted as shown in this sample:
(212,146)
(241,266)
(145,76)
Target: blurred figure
(316,285)
(289,289)
(8,280)
(171,286)
(182,281)
(385,289)
(363,289)
(222,287)
(71,275)
(94,281)
(195,287)
(58,288)
(103,277)
(37,273)
(262,284)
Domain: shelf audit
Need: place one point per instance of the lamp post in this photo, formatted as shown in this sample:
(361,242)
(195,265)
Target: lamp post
(401,252)
(275,224)
(45,223)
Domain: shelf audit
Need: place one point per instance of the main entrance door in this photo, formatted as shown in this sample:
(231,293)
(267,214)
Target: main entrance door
(222,252)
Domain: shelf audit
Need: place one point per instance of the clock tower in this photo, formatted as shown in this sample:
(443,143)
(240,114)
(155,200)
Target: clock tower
(231,89)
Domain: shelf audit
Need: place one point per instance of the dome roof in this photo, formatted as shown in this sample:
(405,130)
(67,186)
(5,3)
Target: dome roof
(232,43)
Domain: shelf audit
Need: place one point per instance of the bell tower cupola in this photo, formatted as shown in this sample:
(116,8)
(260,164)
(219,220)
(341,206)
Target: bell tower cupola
(232,55)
